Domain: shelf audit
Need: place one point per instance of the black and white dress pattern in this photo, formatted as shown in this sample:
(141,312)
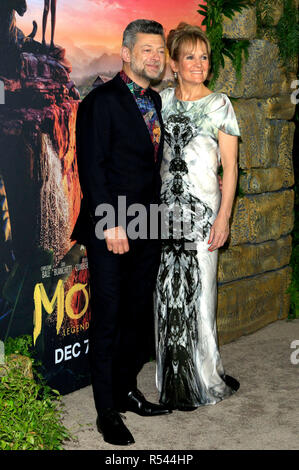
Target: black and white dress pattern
(189,367)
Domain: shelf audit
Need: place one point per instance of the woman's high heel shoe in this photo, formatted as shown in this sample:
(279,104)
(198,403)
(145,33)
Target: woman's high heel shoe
(187,408)
(231,382)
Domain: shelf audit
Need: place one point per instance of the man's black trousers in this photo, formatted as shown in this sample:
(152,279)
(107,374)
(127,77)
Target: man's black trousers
(122,320)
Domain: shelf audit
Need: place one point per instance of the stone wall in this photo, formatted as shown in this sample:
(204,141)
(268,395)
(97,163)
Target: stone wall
(254,270)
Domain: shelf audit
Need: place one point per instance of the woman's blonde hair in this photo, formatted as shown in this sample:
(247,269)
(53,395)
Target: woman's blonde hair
(186,34)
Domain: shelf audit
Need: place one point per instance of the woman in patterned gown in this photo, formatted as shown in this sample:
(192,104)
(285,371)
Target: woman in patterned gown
(201,132)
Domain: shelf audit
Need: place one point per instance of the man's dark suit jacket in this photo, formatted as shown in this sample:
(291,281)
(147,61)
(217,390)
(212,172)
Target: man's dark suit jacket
(115,153)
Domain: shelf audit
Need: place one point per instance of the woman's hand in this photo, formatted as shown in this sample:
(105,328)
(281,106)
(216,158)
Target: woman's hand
(219,232)
(228,145)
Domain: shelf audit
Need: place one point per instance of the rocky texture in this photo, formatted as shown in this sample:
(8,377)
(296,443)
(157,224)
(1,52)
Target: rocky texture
(265,119)
(260,180)
(254,271)
(38,134)
(275,8)
(261,217)
(263,75)
(276,11)
(40,179)
(249,304)
(248,260)
(242,25)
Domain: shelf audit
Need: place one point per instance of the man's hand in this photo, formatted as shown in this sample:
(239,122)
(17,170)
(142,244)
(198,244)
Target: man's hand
(116,240)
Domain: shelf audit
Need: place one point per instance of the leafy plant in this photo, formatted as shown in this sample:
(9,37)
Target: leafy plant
(293,289)
(264,13)
(239,190)
(213,13)
(286,32)
(30,413)
(20,345)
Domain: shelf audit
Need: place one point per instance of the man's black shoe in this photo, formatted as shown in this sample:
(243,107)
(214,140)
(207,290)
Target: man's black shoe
(137,403)
(110,424)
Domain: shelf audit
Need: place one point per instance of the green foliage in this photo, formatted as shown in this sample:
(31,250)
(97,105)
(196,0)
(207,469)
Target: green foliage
(30,415)
(294,286)
(286,32)
(293,289)
(239,190)
(236,50)
(20,345)
(264,10)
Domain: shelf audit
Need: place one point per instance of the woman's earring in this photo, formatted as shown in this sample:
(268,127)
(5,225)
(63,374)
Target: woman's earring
(175,75)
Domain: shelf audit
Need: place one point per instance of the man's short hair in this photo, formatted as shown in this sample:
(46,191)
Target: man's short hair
(140,26)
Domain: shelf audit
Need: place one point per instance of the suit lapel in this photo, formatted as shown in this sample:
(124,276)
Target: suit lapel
(158,109)
(130,104)
(128,100)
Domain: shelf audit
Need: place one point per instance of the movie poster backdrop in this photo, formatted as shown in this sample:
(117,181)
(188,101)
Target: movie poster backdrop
(44,73)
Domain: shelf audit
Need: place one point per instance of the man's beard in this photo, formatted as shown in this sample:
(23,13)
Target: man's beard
(141,72)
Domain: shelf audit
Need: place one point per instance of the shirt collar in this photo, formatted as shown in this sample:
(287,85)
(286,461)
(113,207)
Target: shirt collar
(136,89)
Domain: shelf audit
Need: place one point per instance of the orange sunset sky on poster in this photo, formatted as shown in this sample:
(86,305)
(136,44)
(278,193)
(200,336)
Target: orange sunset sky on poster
(102,21)
(89,28)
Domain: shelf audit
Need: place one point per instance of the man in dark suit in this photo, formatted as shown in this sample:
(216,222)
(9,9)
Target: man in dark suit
(119,150)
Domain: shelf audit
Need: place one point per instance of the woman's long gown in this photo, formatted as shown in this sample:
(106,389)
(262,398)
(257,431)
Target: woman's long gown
(189,367)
